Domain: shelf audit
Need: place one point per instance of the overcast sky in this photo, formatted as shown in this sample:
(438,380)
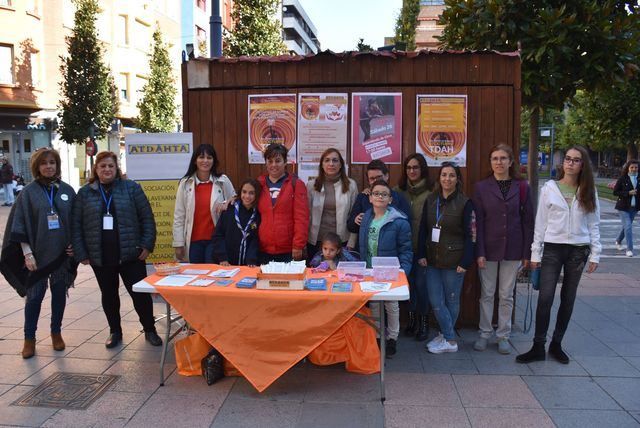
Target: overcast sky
(340,23)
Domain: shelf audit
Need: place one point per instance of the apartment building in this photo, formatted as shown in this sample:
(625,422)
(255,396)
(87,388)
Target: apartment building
(195,27)
(428,27)
(298,32)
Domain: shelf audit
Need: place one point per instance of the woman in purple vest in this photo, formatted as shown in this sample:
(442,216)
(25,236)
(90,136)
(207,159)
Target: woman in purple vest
(505,219)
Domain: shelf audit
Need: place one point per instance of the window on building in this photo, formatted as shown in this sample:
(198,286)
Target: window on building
(5,146)
(33,7)
(6,3)
(140,82)
(6,64)
(122,30)
(27,145)
(123,86)
(202,4)
(142,35)
(431,2)
(35,69)
(201,35)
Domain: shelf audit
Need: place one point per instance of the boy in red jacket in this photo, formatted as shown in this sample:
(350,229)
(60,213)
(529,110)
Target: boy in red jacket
(283,208)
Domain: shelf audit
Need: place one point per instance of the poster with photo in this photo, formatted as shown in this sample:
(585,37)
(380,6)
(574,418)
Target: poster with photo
(376,127)
(322,124)
(271,119)
(441,128)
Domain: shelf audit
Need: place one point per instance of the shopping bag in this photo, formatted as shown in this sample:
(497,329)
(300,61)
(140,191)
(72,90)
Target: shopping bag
(189,353)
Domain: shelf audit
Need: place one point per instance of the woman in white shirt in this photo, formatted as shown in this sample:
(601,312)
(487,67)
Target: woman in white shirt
(566,238)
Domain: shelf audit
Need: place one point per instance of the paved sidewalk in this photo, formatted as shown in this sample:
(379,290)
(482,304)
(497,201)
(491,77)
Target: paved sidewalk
(600,387)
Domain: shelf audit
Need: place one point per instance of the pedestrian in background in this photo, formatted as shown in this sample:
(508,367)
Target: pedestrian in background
(445,248)
(203,193)
(628,204)
(331,195)
(566,238)
(6,178)
(36,251)
(283,208)
(114,231)
(504,219)
(415,186)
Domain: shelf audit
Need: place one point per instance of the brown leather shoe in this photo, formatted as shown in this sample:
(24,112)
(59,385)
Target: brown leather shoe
(58,343)
(29,348)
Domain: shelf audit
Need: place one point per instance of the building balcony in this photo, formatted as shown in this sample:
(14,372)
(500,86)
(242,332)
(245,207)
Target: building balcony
(292,23)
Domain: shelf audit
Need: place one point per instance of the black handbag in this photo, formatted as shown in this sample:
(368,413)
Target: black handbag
(212,367)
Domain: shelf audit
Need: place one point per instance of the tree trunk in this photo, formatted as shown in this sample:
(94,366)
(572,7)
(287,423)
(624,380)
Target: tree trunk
(632,151)
(532,166)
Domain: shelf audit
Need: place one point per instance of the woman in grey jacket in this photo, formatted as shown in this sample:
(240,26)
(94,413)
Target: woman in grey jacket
(114,230)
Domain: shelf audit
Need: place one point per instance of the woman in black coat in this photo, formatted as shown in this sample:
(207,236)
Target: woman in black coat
(628,204)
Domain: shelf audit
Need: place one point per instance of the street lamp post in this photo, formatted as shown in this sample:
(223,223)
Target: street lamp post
(215,30)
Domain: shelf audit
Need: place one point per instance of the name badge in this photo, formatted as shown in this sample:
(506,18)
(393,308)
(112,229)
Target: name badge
(53,221)
(107,222)
(435,234)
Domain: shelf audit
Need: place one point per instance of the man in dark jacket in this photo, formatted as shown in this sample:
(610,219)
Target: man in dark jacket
(6,179)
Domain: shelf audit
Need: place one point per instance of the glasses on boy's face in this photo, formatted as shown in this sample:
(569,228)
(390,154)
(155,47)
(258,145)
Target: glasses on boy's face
(569,159)
(380,195)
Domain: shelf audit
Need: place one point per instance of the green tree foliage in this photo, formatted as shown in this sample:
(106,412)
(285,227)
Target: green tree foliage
(565,46)
(256,31)
(88,94)
(363,47)
(407,22)
(157,106)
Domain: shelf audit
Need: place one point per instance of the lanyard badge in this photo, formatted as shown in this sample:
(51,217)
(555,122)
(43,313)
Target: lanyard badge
(435,231)
(107,218)
(53,222)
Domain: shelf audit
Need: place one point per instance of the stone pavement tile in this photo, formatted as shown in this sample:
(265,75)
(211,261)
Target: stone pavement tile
(626,391)
(634,361)
(72,337)
(494,391)
(11,346)
(137,377)
(626,349)
(564,418)
(113,409)
(585,344)
(68,365)
(95,351)
(242,413)
(151,355)
(92,321)
(608,366)
(507,418)
(421,390)
(6,331)
(14,369)
(176,384)
(291,386)
(551,367)
(334,386)
(446,365)
(402,416)
(406,360)
(14,319)
(569,393)
(77,310)
(497,364)
(333,415)
(20,415)
(636,416)
(4,388)
(194,411)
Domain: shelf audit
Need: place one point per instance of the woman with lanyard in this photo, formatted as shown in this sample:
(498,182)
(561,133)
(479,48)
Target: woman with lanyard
(445,248)
(235,240)
(114,230)
(415,186)
(566,239)
(628,203)
(331,196)
(203,193)
(505,214)
(37,247)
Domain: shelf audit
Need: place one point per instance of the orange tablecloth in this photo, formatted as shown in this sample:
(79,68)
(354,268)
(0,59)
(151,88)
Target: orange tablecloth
(263,333)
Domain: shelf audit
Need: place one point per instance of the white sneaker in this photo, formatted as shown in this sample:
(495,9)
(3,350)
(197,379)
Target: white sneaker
(442,347)
(619,246)
(629,253)
(439,338)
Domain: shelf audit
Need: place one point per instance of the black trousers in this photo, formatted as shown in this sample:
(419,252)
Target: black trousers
(556,257)
(108,282)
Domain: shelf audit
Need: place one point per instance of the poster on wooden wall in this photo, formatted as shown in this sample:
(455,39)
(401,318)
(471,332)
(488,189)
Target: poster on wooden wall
(376,127)
(271,119)
(322,124)
(441,128)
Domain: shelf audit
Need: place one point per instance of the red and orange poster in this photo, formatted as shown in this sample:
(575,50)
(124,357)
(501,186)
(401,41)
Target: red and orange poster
(376,127)
(272,119)
(441,128)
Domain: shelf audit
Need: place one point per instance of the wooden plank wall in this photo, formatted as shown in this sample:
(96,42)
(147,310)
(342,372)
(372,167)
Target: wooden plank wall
(218,114)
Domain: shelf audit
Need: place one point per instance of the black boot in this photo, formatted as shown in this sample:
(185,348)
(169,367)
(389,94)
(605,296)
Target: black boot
(555,350)
(423,329)
(410,329)
(536,353)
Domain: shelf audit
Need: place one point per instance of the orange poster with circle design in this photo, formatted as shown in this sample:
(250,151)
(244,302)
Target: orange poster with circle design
(441,128)
(272,119)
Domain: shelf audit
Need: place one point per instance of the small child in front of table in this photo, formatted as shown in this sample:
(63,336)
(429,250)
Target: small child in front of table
(235,238)
(331,253)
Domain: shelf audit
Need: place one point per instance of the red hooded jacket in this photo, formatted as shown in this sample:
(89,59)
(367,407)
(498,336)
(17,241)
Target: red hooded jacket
(285,224)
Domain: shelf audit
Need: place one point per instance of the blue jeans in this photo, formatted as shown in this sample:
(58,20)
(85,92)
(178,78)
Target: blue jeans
(444,287)
(34,298)
(201,251)
(626,217)
(419,298)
